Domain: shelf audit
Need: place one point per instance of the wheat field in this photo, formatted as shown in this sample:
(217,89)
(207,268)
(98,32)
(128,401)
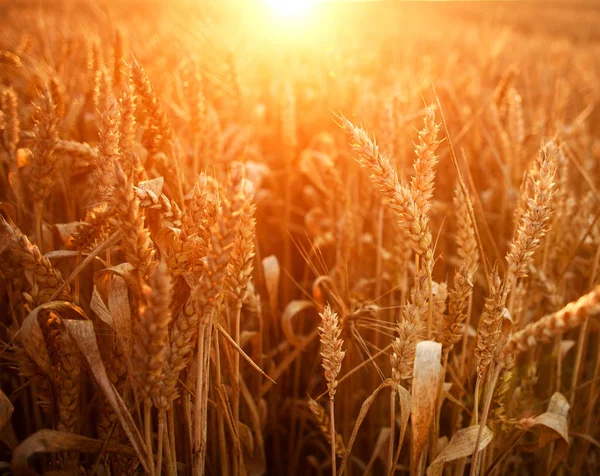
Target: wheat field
(241,238)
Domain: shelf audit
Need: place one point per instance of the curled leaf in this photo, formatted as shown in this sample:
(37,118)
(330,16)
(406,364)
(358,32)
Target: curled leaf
(66,231)
(460,446)
(291,310)
(554,420)
(82,332)
(272,271)
(110,241)
(7,432)
(124,270)
(33,336)
(50,441)
(100,309)
(6,409)
(405,401)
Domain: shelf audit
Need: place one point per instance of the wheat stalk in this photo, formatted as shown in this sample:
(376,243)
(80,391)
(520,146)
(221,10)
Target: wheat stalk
(332,355)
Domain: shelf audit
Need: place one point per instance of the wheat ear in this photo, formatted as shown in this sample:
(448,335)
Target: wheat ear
(569,317)
(332,354)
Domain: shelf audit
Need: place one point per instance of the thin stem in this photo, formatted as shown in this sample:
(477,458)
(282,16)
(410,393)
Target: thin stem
(463,356)
(201,407)
(430,314)
(171,433)
(476,460)
(332,436)
(392,431)
(168,453)
(148,433)
(397,454)
(222,414)
(508,448)
(287,243)
(379,259)
(236,362)
(476,400)
(593,396)
(558,377)
(38,226)
(161,435)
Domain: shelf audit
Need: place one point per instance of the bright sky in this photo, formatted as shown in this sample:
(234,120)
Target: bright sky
(291,8)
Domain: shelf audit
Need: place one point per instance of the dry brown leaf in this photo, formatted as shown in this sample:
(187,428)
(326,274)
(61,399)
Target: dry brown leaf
(50,441)
(554,421)
(33,337)
(6,409)
(110,241)
(100,309)
(440,445)
(460,446)
(84,336)
(321,285)
(66,231)
(59,254)
(426,373)
(405,401)
(118,305)
(34,343)
(123,270)
(272,272)
(7,432)
(291,310)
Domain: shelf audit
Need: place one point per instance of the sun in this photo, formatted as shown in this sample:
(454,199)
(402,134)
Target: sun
(291,8)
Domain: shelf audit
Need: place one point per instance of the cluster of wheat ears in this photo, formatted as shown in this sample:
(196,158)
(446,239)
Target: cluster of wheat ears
(205,270)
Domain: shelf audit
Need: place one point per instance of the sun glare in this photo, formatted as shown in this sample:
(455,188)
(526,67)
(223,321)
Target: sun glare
(291,8)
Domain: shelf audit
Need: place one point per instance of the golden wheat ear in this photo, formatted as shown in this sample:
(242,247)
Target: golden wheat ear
(332,356)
